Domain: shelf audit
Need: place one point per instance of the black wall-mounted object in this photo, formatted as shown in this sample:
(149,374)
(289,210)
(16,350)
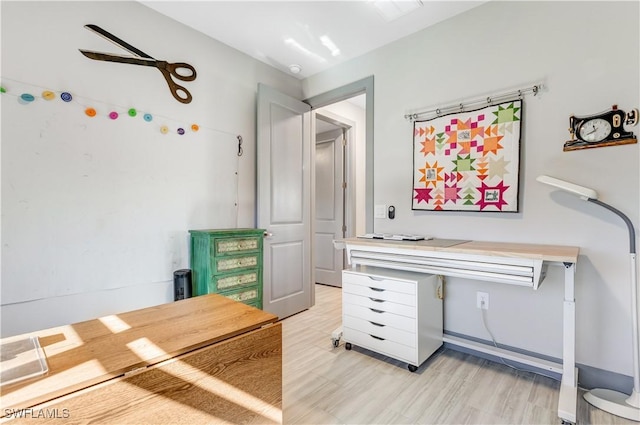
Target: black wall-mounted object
(181,284)
(392,212)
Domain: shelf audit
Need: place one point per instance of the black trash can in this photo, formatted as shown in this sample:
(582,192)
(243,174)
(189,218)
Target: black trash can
(181,284)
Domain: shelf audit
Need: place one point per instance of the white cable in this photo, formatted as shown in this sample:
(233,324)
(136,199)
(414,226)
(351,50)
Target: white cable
(493,339)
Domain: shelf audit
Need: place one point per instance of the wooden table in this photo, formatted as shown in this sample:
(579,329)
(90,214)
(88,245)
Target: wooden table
(508,263)
(205,359)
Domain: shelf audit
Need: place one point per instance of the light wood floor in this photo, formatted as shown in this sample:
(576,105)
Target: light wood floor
(327,385)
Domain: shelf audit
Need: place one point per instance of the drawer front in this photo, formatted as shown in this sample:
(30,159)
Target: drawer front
(394,285)
(227,282)
(376,293)
(380,330)
(397,321)
(226,264)
(382,346)
(378,305)
(250,296)
(223,246)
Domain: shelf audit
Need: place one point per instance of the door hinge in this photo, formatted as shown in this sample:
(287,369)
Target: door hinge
(344,185)
(344,228)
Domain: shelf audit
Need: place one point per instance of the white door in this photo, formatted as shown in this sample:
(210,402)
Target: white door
(284,194)
(329,217)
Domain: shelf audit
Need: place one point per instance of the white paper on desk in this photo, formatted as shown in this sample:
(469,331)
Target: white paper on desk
(395,237)
(372,236)
(401,237)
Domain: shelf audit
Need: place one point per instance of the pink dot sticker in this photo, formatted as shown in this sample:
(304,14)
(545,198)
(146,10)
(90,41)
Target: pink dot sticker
(113,115)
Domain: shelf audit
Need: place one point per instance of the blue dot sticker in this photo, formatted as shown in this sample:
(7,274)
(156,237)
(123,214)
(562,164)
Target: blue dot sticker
(66,96)
(181,131)
(26,98)
(148,117)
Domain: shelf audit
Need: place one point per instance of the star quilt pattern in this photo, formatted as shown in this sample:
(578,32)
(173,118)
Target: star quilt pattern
(468,161)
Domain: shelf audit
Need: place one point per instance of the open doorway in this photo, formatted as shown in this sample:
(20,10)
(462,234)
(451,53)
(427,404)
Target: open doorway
(285,162)
(340,139)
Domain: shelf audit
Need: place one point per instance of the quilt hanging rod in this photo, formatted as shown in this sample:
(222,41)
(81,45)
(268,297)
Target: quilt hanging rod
(464,105)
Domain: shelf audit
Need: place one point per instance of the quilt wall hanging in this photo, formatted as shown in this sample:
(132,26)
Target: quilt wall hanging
(468,161)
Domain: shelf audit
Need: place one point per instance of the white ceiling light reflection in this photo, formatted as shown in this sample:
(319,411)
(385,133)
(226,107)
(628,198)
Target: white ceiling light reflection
(329,44)
(391,10)
(299,47)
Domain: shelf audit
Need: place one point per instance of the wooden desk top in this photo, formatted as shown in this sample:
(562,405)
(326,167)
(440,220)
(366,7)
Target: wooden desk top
(567,254)
(87,353)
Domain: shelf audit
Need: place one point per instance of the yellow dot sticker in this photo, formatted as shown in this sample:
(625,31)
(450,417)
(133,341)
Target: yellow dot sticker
(164,129)
(48,95)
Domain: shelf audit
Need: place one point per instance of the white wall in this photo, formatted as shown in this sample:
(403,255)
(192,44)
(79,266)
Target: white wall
(587,56)
(95,212)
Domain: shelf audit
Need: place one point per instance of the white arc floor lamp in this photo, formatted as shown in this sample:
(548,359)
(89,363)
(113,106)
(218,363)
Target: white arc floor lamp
(620,404)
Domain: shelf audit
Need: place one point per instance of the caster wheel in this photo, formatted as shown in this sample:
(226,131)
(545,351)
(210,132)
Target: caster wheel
(336,342)
(412,368)
(347,346)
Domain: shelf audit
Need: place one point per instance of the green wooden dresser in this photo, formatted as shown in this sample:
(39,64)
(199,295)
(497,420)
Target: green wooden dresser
(228,262)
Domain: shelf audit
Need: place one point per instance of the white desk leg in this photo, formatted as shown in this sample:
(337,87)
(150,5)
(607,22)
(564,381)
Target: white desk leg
(568,401)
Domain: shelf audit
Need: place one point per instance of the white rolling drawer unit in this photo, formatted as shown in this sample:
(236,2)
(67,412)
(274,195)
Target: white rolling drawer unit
(392,312)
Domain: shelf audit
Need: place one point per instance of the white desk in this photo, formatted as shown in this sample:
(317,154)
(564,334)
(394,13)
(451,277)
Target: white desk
(509,263)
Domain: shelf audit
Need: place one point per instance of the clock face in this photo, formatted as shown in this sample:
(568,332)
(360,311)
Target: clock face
(594,130)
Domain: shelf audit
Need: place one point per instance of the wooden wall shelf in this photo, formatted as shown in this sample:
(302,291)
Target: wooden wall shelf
(573,145)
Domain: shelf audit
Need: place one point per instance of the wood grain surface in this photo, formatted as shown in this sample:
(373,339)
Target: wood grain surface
(501,249)
(87,353)
(235,381)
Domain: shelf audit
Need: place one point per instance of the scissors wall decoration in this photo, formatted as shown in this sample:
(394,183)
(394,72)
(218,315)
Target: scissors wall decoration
(181,71)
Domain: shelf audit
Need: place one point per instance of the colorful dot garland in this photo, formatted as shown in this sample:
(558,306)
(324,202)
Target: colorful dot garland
(91,112)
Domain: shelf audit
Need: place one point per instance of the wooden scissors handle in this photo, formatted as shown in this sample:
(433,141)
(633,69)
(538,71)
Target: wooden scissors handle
(182,71)
(179,93)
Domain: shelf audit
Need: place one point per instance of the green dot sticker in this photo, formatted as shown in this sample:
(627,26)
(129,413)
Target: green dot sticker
(2,90)
(133,112)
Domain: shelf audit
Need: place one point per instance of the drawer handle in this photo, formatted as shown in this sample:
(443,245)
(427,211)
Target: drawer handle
(377,324)
(375,300)
(376,337)
(376,311)
(379,279)
(376,289)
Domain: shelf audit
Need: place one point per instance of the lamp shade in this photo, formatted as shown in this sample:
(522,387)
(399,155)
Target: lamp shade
(583,192)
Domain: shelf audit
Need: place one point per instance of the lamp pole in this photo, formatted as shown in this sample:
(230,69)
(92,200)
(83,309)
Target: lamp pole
(626,406)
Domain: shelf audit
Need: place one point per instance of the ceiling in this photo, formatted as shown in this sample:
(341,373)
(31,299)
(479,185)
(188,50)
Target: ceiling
(315,35)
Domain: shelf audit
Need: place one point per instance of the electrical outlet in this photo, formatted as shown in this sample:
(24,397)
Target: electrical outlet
(482,300)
